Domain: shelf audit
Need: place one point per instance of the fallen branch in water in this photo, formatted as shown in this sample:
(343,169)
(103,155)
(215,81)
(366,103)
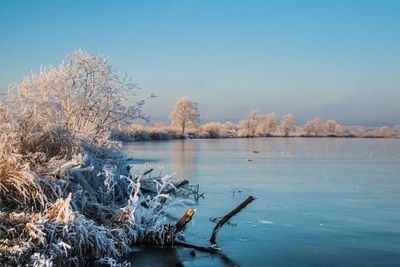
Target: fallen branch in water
(180,184)
(228,217)
(147,172)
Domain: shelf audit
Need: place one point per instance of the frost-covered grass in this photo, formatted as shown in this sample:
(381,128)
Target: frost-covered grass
(76,209)
(67,197)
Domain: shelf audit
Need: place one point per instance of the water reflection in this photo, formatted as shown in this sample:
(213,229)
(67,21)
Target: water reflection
(183,155)
(155,256)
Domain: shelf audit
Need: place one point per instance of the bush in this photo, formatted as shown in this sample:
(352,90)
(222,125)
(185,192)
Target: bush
(212,129)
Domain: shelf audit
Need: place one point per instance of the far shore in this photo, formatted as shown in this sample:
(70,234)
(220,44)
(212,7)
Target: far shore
(145,136)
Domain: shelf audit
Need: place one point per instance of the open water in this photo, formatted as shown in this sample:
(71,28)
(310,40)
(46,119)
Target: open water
(320,201)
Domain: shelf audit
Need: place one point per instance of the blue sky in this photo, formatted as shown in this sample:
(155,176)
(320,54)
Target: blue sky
(333,59)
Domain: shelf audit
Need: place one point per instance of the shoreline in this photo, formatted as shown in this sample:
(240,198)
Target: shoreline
(132,139)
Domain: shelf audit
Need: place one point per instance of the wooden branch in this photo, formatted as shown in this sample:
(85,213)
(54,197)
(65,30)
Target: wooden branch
(182,183)
(147,172)
(228,217)
(184,220)
(162,202)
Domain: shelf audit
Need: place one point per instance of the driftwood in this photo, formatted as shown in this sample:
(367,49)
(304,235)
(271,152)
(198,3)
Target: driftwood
(150,185)
(165,235)
(213,248)
(180,184)
(228,217)
(192,190)
(147,172)
(184,220)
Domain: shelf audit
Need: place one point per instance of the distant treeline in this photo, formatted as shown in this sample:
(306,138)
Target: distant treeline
(185,124)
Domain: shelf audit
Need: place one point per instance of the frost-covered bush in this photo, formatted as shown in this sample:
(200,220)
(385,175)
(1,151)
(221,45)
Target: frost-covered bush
(84,95)
(160,131)
(230,129)
(212,129)
(76,199)
(137,132)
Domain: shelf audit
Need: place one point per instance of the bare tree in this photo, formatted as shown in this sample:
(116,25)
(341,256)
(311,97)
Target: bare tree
(249,126)
(288,124)
(308,128)
(185,114)
(331,127)
(269,126)
(384,131)
(318,127)
(338,130)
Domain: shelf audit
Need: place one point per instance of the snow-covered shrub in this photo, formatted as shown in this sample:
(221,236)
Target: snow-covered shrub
(66,178)
(83,95)
(230,129)
(137,131)
(212,129)
(160,131)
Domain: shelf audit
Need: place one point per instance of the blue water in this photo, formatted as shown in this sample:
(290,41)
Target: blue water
(320,201)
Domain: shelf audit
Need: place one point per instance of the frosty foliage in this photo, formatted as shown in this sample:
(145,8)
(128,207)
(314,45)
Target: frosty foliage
(67,197)
(317,128)
(269,126)
(384,131)
(331,127)
(230,129)
(212,129)
(84,95)
(288,124)
(249,126)
(185,114)
(308,129)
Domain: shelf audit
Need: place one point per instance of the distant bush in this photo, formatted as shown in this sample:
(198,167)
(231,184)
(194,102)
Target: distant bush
(212,129)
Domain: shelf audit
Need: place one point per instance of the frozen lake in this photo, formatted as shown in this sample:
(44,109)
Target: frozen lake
(320,201)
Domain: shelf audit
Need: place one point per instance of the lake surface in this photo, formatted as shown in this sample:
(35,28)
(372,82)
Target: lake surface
(320,201)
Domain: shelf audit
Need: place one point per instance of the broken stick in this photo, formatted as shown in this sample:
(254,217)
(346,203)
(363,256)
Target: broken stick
(184,220)
(227,217)
(147,172)
(180,184)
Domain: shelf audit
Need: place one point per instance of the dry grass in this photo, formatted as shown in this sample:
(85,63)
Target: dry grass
(74,210)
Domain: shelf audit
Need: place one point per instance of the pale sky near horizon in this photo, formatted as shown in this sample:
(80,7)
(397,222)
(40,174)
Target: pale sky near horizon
(332,59)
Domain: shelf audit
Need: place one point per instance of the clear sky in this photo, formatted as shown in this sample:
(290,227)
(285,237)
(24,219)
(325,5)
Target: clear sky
(332,59)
